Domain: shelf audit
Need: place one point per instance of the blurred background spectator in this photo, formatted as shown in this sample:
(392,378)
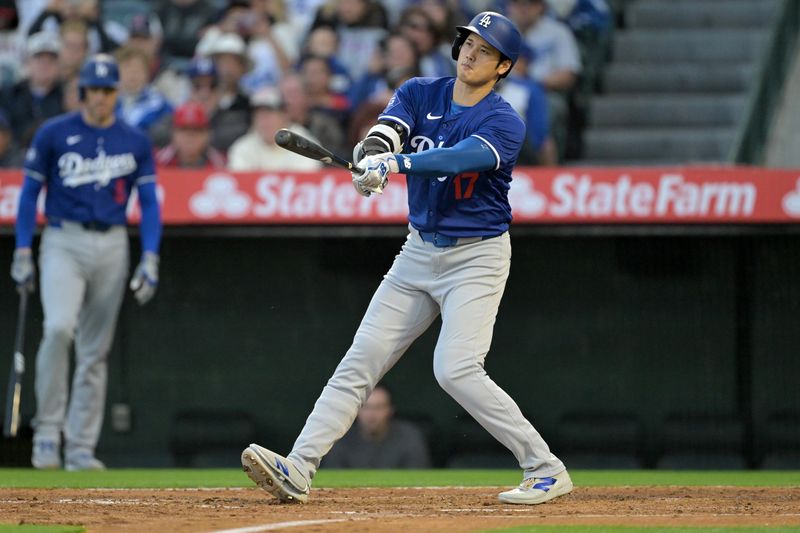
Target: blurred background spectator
(190,142)
(435,59)
(139,103)
(528,98)
(256,150)
(38,96)
(183,22)
(231,118)
(360,25)
(104,35)
(557,62)
(323,127)
(74,46)
(379,440)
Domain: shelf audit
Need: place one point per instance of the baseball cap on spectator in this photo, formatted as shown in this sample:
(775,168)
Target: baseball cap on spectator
(44,42)
(267,98)
(191,115)
(227,43)
(140,26)
(201,66)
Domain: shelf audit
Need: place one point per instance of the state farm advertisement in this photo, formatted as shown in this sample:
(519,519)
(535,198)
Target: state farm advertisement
(538,196)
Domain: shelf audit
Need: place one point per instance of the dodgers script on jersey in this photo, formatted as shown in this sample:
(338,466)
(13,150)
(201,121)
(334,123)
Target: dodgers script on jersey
(93,169)
(469,204)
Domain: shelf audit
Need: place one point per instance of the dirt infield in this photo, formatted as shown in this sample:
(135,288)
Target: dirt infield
(396,509)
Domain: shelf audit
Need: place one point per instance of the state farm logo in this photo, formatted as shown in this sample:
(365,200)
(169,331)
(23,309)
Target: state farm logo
(671,195)
(791,202)
(220,196)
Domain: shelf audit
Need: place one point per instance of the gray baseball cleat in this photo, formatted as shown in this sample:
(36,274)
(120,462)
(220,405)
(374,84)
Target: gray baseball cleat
(74,462)
(535,490)
(46,455)
(275,474)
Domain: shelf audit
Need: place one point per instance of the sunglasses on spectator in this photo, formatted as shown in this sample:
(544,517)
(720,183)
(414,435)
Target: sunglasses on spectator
(199,85)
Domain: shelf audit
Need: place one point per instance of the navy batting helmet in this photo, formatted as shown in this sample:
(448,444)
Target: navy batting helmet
(497,30)
(99,71)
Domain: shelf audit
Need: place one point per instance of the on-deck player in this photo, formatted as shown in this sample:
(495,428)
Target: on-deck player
(457,141)
(89,162)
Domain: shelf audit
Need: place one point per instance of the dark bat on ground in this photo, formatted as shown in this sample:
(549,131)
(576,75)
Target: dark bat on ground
(307,148)
(11,420)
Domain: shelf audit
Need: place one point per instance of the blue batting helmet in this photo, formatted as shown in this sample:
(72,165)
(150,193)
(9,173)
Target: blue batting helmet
(100,70)
(496,29)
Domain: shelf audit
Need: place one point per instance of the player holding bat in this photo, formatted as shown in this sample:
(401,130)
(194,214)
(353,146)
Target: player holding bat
(457,141)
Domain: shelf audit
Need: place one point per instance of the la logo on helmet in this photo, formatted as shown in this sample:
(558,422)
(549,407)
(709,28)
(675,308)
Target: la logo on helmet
(485,21)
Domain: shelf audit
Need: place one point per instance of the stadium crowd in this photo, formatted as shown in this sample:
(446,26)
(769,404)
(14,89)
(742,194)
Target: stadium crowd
(210,81)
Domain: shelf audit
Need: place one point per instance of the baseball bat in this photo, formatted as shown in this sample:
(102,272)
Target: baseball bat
(307,148)
(11,420)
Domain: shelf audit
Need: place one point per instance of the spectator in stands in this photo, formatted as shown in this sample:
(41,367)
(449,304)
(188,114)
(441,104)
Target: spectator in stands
(378,440)
(231,118)
(71,96)
(558,61)
(360,25)
(270,48)
(204,84)
(104,36)
(327,130)
(396,60)
(74,46)
(10,155)
(323,41)
(183,22)
(139,103)
(145,33)
(190,146)
(38,97)
(528,98)
(316,73)
(417,25)
(256,150)
(9,43)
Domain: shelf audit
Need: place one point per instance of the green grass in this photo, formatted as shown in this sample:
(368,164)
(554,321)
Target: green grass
(641,529)
(188,478)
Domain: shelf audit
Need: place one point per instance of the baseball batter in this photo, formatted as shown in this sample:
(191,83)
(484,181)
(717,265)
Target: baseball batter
(89,162)
(457,141)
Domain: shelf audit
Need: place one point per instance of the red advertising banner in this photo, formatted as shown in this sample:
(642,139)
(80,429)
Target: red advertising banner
(570,195)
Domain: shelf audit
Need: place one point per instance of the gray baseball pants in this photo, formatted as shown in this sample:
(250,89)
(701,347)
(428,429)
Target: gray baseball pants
(83,277)
(465,284)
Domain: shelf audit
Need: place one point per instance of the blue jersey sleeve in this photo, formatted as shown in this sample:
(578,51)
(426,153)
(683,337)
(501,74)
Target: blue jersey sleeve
(469,155)
(150,225)
(504,134)
(26,213)
(400,108)
(145,163)
(38,157)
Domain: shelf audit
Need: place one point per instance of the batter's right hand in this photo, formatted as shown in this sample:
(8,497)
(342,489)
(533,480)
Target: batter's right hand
(23,271)
(145,278)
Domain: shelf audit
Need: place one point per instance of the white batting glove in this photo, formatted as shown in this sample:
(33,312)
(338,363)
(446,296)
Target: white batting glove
(145,278)
(374,173)
(23,271)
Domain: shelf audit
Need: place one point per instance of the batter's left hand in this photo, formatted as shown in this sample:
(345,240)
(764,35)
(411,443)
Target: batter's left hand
(145,278)
(372,173)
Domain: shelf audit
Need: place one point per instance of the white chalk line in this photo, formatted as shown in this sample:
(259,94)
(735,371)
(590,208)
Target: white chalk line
(279,525)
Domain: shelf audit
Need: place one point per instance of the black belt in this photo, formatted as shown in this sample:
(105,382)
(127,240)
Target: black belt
(93,225)
(445,241)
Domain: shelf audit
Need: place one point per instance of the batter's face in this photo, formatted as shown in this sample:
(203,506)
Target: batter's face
(98,105)
(478,62)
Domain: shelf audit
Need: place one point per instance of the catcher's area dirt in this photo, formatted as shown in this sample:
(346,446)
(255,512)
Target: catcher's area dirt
(397,509)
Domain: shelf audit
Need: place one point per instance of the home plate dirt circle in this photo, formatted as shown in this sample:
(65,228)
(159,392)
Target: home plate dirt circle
(446,509)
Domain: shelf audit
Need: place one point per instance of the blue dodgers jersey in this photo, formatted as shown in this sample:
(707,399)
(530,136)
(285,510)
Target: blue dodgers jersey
(472,203)
(89,171)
